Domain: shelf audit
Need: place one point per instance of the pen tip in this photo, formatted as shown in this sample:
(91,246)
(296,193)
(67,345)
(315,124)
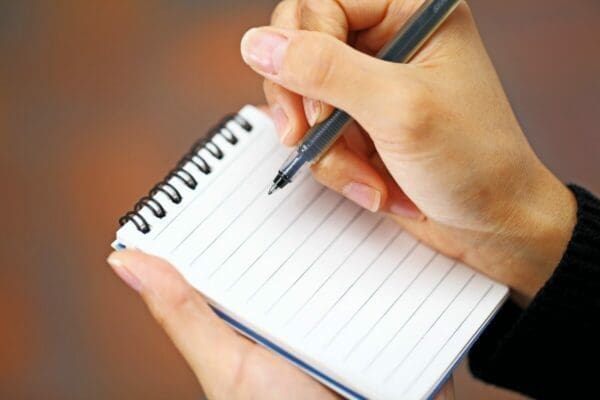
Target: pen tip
(272,188)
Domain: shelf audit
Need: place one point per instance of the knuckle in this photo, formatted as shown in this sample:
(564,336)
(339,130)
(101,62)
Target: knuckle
(417,103)
(414,108)
(307,9)
(323,16)
(180,301)
(304,6)
(280,10)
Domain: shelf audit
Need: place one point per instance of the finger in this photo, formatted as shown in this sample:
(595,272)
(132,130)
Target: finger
(226,364)
(335,18)
(454,36)
(285,15)
(343,15)
(374,37)
(287,112)
(288,105)
(265,109)
(375,21)
(404,211)
(316,110)
(359,141)
(347,173)
(321,67)
(398,203)
(311,111)
(326,17)
(212,349)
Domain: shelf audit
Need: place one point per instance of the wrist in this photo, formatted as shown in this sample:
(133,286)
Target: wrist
(539,229)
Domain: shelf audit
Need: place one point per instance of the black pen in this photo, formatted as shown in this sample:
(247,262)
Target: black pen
(400,49)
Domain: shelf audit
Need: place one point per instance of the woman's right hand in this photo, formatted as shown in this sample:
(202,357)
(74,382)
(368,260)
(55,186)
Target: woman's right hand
(437,144)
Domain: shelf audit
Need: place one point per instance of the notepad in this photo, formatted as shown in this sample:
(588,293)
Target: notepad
(343,293)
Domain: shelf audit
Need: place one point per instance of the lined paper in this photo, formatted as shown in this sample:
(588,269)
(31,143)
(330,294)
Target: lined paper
(343,289)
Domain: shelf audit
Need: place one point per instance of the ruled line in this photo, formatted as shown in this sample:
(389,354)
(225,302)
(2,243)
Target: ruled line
(388,244)
(362,338)
(373,294)
(319,225)
(335,271)
(411,384)
(358,213)
(296,218)
(197,194)
(233,220)
(399,364)
(380,352)
(242,211)
(281,203)
(221,203)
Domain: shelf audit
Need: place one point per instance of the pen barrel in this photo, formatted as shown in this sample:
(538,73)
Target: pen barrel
(320,137)
(417,30)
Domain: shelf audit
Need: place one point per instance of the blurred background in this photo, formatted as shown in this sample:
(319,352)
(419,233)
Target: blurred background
(99,98)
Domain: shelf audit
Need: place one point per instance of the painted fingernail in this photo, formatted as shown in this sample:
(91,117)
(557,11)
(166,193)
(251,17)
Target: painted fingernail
(282,122)
(124,273)
(363,195)
(405,210)
(312,109)
(264,50)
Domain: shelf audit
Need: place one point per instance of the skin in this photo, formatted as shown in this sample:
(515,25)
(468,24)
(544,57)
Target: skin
(436,146)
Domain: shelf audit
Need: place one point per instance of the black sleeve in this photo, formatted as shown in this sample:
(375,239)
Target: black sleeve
(552,348)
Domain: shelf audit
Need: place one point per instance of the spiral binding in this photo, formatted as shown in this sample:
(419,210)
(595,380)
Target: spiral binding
(179,172)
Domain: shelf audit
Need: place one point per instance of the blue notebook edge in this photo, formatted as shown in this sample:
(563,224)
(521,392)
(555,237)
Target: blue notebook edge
(321,376)
(327,380)
(465,351)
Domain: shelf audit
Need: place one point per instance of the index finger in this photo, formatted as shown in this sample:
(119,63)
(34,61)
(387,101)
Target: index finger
(375,21)
(281,100)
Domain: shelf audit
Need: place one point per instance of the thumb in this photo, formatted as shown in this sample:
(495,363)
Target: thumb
(319,66)
(212,349)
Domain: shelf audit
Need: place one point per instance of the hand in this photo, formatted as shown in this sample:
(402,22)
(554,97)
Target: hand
(227,365)
(436,145)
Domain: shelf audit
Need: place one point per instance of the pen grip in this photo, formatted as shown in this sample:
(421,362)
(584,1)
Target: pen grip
(320,137)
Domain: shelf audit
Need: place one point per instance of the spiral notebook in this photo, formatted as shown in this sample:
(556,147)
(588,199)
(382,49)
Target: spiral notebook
(344,294)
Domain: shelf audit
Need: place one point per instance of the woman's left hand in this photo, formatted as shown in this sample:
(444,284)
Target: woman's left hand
(227,365)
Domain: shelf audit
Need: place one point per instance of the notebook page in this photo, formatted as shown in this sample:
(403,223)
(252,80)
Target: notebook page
(347,291)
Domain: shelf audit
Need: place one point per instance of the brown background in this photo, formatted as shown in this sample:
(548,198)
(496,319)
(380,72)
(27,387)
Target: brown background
(99,98)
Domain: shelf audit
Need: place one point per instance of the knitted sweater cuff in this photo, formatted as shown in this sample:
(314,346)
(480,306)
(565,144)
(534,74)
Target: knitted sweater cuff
(543,349)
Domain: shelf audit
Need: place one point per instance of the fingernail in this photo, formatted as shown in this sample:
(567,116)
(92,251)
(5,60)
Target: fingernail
(363,195)
(282,122)
(312,108)
(264,50)
(123,272)
(405,210)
